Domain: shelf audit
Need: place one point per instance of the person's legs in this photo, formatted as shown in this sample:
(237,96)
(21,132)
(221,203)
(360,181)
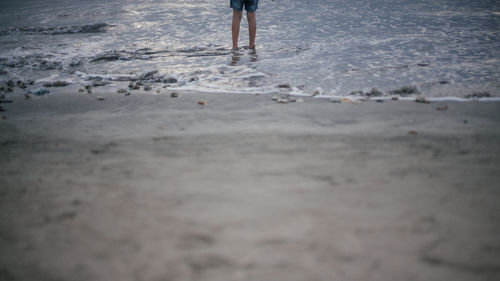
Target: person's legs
(236,27)
(252,28)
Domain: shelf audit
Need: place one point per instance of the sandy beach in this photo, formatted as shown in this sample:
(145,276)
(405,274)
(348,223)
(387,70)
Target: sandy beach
(150,187)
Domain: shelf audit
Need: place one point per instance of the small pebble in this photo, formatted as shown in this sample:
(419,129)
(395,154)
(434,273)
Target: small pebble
(122,91)
(202,102)
(27,96)
(422,100)
(20,84)
(100,98)
(412,132)
(374,92)
(317,91)
(81,90)
(147,88)
(297,100)
(346,100)
(282,100)
(127,94)
(284,86)
(89,91)
(174,95)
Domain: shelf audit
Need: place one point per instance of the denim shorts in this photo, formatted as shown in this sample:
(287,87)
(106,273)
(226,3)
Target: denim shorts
(250,5)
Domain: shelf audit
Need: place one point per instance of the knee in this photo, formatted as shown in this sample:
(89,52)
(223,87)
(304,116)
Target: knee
(251,17)
(237,15)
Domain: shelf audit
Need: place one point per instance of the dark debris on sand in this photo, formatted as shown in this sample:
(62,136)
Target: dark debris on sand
(406,91)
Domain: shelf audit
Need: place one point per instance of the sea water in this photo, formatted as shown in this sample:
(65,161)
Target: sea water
(441,48)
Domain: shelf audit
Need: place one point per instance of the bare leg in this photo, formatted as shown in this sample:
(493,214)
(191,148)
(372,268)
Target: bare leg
(236,27)
(252,29)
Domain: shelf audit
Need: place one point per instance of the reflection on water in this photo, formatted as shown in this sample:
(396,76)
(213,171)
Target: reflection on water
(253,55)
(237,55)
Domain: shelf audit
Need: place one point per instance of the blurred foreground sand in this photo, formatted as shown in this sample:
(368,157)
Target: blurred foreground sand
(148,187)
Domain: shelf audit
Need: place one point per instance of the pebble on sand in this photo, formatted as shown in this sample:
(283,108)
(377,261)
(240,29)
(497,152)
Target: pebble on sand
(135,86)
(318,91)
(374,92)
(297,100)
(422,100)
(346,100)
(174,95)
(202,102)
(100,98)
(279,99)
(121,91)
(412,132)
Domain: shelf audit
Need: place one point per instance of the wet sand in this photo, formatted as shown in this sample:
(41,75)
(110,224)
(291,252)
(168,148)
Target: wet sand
(149,187)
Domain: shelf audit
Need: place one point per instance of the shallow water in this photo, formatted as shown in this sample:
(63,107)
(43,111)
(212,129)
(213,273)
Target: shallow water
(444,48)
